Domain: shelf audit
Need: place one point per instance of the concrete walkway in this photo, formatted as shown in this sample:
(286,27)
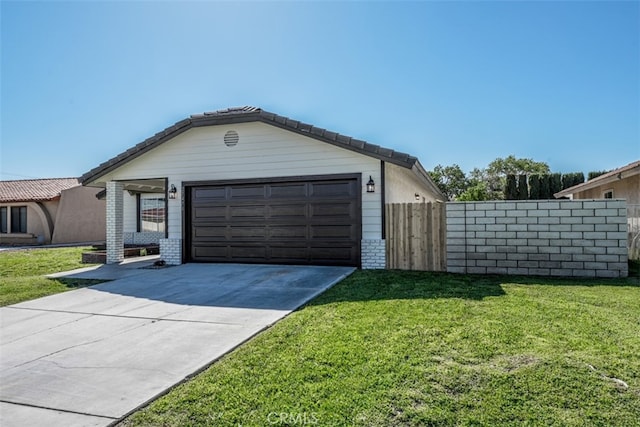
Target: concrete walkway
(91,356)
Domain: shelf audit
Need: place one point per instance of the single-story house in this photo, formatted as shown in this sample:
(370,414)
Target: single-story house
(45,211)
(621,183)
(249,186)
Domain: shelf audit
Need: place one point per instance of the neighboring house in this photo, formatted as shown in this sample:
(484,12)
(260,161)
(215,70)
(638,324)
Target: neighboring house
(245,185)
(621,183)
(45,211)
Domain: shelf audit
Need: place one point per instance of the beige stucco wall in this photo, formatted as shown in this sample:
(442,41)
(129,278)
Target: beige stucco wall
(627,188)
(80,217)
(402,185)
(40,218)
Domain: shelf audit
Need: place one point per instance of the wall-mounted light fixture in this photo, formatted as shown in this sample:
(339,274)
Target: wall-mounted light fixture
(172,192)
(417,196)
(371,186)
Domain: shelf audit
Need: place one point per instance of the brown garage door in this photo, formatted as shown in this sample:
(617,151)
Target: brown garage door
(314,221)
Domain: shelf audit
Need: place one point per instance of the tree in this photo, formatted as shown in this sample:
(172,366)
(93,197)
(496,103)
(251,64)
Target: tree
(511,189)
(515,166)
(595,174)
(495,174)
(571,179)
(488,183)
(555,183)
(451,180)
(534,187)
(545,190)
(476,192)
(523,189)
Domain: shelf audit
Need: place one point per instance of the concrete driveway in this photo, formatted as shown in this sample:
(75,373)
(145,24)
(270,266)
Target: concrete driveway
(91,356)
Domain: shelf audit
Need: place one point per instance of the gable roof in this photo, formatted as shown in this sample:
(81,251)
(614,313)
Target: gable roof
(35,190)
(616,174)
(244,115)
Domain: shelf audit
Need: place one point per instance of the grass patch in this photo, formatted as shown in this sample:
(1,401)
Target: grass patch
(386,348)
(22,273)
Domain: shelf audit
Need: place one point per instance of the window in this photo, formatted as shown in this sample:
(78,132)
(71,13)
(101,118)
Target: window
(3,220)
(152,213)
(19,219)
(608,194)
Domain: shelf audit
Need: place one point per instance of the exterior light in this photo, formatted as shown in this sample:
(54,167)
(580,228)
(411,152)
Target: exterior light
(417,196)
(371,186)
(172,192)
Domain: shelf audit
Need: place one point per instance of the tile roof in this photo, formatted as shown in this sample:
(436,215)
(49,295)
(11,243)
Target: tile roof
(35,190)
(250,114)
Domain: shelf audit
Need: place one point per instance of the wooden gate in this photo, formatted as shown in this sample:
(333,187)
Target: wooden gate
(416,236)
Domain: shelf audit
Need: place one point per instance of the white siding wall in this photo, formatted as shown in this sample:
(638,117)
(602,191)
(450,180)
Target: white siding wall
(263,151)
(130,220)
(401,185)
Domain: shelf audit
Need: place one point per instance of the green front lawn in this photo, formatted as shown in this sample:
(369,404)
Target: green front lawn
(22,273)
(422,349)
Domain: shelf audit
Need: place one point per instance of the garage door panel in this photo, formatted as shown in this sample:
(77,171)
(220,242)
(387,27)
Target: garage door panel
(246,192)
(296,232)
(210,193)
(209,213)
(301,222)
(288,190)
(243,212)
(322,255)
(248,232)
(287,211)
(289,253)
(211,252)
(332,189)
(336,211)
(338,232)
(210,232)
(248,252)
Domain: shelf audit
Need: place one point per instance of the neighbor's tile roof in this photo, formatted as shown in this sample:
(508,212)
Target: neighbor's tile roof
(35,190)
(250,114)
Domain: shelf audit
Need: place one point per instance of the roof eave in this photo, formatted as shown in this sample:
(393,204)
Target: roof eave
(422,172)
(614,176)
(135,151)
(201,120)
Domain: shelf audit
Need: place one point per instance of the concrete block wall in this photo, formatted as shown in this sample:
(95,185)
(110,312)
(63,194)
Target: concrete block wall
(581,238)
(373,254)
(143,237)
(171,251)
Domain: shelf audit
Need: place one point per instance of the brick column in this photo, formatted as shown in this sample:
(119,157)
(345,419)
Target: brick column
(171,251)
(115,235)
(373,254)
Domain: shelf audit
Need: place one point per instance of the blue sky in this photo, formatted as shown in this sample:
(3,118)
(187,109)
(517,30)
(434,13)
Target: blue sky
(449,82)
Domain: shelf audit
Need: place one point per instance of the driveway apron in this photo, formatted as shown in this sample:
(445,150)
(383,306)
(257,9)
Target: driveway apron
(90,356)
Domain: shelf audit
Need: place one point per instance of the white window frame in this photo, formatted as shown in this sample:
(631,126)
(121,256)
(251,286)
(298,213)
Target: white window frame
(161,225)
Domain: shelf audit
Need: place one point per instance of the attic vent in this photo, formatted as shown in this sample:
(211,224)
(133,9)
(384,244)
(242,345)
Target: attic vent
(231,138)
